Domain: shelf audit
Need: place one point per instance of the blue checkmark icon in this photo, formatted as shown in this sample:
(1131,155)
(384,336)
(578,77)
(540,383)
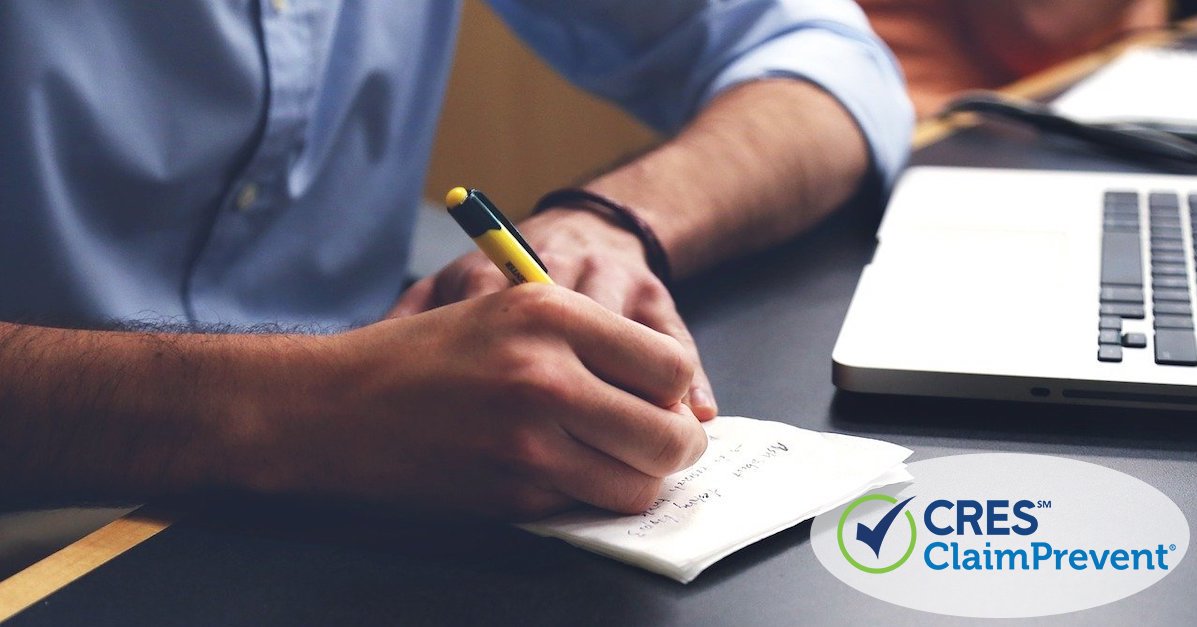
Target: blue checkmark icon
(875,535)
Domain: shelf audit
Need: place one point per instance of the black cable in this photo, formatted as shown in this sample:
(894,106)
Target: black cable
(1124,139)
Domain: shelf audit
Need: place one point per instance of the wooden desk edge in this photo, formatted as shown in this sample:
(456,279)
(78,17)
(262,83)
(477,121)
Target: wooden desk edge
(42,579)
(46,577)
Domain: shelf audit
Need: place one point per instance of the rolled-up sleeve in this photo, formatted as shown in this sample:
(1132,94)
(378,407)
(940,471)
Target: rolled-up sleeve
(663,60)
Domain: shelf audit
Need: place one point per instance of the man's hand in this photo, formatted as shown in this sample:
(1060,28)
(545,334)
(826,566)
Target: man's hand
(590,255)
(515,404)
(736,182)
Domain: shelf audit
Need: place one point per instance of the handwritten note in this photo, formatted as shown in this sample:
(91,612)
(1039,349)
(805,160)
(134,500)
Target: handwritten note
(756,478)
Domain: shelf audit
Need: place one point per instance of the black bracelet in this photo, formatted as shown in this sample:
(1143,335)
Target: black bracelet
(621,215)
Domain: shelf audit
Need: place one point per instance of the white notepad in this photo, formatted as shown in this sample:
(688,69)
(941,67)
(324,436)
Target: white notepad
(756,478)
(1157,85)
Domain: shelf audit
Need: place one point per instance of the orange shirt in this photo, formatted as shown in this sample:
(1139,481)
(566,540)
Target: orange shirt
(948,46)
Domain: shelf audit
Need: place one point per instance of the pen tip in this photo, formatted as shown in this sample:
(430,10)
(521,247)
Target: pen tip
(456,196)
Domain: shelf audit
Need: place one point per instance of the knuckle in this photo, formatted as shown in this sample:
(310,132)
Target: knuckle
(653,291)
(539,383)
(541,305)
(477,279)
(673,451)
(525,452)
(442,288)
(592,265)
(557,261)
(641,495)
(681,333)
(681,444)
(698,447)
(515,358)
(680,362)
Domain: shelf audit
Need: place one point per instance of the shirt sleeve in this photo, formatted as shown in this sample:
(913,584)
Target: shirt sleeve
(662,60)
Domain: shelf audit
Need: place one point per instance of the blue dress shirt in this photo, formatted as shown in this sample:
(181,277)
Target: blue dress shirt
(241,161)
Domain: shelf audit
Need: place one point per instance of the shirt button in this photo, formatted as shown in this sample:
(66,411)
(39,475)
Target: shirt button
(279,5)
(247,196)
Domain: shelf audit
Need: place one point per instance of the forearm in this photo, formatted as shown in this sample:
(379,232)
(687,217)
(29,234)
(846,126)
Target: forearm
(1024,36)
(116,415)
(762,162)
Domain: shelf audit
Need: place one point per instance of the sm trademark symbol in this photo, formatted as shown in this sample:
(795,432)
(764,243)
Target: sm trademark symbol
(1043,505)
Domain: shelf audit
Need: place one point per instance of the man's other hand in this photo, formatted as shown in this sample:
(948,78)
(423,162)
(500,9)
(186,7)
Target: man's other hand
(588,254)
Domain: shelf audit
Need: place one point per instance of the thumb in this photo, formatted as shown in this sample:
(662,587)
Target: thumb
(417,298)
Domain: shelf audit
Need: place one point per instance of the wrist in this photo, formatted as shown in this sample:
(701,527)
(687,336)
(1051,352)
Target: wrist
(126,415)
(564,227)
(617,215)
(267,400)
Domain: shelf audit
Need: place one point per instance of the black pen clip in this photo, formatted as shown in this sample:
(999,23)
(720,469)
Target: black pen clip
(502,220)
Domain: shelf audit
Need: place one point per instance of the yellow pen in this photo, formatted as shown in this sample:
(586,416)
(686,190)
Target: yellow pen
(495,236)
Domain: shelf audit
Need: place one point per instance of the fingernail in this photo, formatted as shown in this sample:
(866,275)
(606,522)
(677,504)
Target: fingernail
(702,402)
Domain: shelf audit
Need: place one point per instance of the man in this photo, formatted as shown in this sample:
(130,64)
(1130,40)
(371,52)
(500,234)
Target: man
(215,165)
(947,47)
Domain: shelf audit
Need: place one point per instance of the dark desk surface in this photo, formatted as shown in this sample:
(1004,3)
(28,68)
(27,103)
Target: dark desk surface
(766,336)
(766,327)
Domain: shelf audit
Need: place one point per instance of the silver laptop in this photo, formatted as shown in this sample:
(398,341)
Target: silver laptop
(1074,287)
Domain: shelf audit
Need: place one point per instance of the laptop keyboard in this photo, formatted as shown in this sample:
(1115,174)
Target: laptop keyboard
(1170,285)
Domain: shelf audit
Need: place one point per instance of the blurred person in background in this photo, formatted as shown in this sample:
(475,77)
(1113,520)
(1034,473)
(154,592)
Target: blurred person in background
(949,46)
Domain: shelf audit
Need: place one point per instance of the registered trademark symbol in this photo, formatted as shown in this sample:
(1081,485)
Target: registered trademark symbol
(1171,547)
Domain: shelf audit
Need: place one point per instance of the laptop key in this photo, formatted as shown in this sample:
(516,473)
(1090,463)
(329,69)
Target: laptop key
(1121,294)
(1162,257)
(1175,309)
(1169,282)
(1163,200)
(1109,337)
(1124,310)
(1134,340)
(1121,262)
(1117,198)
(1164,233)
(1107,352)
(1110,322)
(1173,295)
(1173,322)
(1174,347)
(1169,269)
(1121,226)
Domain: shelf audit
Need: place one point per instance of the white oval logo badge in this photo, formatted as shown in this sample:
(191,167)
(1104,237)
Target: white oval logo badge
(1003,535)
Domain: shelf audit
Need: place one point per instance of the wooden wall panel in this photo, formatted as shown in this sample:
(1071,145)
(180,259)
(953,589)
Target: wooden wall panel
(514,128)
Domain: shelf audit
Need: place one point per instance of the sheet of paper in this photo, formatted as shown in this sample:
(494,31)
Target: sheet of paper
(756,478)
(1157,85)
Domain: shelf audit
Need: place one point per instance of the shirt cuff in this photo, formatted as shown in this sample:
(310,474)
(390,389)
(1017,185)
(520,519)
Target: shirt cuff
(857,71)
